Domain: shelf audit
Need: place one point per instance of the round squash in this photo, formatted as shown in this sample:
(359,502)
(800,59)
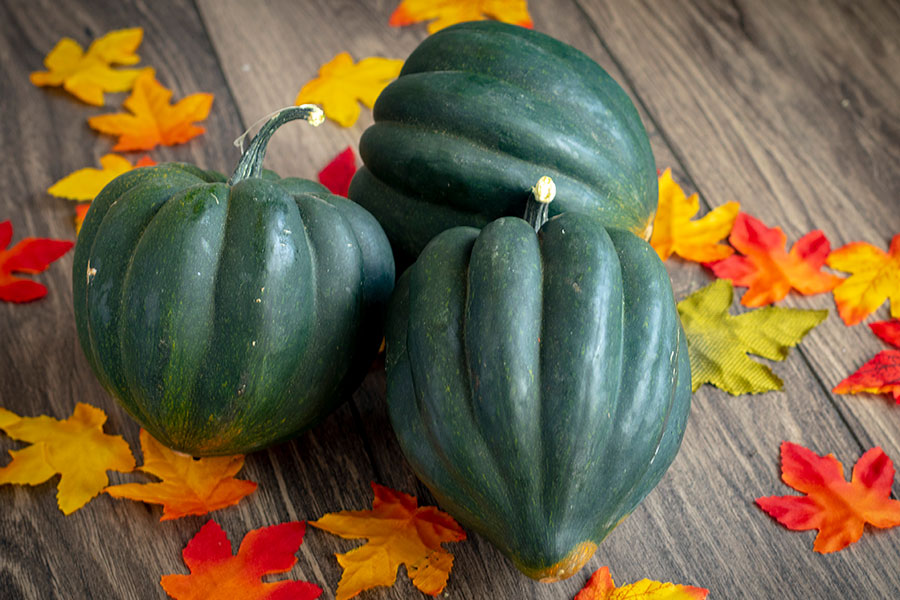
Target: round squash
(227,316)
(539,384)
(478,113)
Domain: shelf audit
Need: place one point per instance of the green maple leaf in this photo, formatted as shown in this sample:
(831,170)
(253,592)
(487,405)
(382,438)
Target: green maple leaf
(718,343)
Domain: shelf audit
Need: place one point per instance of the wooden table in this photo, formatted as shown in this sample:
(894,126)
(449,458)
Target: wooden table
(791,108)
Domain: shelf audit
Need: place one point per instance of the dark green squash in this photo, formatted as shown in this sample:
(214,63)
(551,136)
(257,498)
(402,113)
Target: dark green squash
(227,316)
(478,113)
(539,385)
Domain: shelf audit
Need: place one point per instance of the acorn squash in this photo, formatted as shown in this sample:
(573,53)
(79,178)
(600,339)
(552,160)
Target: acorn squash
(229,315)
(480,111)
(538,383)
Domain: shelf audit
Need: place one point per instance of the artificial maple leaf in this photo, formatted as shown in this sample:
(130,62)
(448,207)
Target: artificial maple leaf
(674,232)
(881,375)
(188,486)
(85,184)
(30,255)
(86,75)
(216,574)
(767,269)
(889,331)
(341,83)
(337,174)
(153,120)
(837,508)
(875,278)
(399,532)
(80,213)
(450,12)
(718,342)
(600,586)
(76,448)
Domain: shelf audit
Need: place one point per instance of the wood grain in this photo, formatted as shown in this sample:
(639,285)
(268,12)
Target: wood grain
(788,107)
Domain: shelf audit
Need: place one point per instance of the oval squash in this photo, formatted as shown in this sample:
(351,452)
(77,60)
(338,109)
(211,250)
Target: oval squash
(480,111)
(539,384)
(227,316)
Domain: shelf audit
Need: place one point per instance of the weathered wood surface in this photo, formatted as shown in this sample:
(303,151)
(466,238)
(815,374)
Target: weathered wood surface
(790,108)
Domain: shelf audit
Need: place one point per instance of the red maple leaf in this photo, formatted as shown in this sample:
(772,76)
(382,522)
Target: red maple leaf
(889,331)
(337,174)
(837,508)
(881,375)
(216,574)
(31,255)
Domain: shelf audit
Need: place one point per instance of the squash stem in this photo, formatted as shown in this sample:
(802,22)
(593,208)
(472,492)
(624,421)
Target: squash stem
(251,161)
(537,211)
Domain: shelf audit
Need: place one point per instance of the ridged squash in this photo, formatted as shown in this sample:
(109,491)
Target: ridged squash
(227,316)
(479,112)
(538,383)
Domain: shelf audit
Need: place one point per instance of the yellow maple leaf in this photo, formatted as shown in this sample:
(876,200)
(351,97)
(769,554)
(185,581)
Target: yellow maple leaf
(449,12)
(341,83)
(718,342)
(76,448)
(153,119)
(875,278)
(674,232)
(85,184)
(86,75)
(399,532)
(189,486)
(600,586)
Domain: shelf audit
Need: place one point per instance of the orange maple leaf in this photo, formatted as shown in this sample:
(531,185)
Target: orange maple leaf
(81,212)
(881,375)
(875,278)
(86,75)
(85,184)
(674,232)
(399,532)
(30,255)
(450,12)
(188,486)
(768,269)
(341,83)
(154,120)
(76,448)
(216,574)
(837,508)
(600,586)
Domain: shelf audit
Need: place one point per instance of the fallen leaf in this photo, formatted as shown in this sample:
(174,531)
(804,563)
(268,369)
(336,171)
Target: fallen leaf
(837,508)
(399,532)
(86,75)
(85,184)
(875,278)
(674,232)
(80,213)
(718,342)
(337,174)
(449,12)
(768,269)
(216,574)
(153,119)
(188,486)
(341,83)
(889,331)
(76,448)
(600,586)
(881,375)
(30,255)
